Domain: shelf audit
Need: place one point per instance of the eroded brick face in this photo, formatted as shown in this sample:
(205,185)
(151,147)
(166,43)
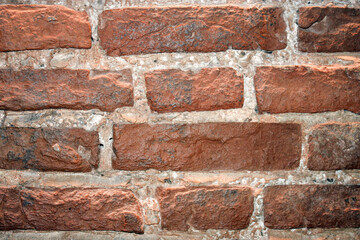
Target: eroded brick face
(174,90)
(46,149)
(329,29)
(334,146)
(70,209)
(207,146)
(205,208)
(26,27)
(316,206)
(307,89)
(190,29)
(36,89)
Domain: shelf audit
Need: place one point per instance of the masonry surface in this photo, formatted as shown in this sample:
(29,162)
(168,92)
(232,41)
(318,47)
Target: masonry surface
(169,119)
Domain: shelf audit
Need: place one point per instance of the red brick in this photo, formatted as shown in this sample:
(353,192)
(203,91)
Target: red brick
(205,208)
(26,27)
(334,146)
(210,89)
(307,89)
(70,209)
(207,146)
(316,206)
(64,88)
(329,29)
(73,150)
(191,29)
(12,216)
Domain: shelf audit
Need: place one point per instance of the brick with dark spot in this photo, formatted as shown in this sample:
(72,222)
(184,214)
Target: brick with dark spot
(70,209)
(130,31)
(36,89)
(207,146)
(307,89)
(175,90)
(29,27)
(329,29)
(205,208)
(47,149)
(312,206)
(334,146)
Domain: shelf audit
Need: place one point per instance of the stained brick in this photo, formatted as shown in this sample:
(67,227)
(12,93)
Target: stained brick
(207,146)
(175,90)
(26,27)
(334,146)
(70,209)
(191,29)
(312,206)
(64,88)
(307,89)
(205,208)
(72,150)
(329,29)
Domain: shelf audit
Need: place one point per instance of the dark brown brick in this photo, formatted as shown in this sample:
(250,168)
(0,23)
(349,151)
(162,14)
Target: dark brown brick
(191,29)
(207,146)
(73,150)
(26,27)
(70,209)
(174,90)
(329,29)
(307,89)
(205,208)
(316,206)
(334,146)
(65,88)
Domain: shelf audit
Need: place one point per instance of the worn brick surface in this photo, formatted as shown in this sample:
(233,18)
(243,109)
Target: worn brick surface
(26,27)
(207,146)
(205,208)
(174,90)
(191,29)
(329,29)
(46,149)
(35,89)
(312,206)
(70,209)
(307,89)
(334,146)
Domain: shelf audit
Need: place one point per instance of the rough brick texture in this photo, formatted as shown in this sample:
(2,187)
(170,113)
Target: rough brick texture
(307,89)
(64,88)
(191,29)
(316,206)
(24,27)
(209,89)
(70,209)
(334,146)
(329,29)
(205,208)
(207,146)
(46,149)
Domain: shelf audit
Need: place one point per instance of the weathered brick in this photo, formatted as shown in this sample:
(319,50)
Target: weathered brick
(70,209)
(64,88)
(307,89)
(334,146)
(312,206)
(210,89)
(207,146)
(329,29)
(73,150)
(191,29)
(205,208)
(26,27)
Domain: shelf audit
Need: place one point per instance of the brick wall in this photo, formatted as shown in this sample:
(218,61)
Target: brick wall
(161,119)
